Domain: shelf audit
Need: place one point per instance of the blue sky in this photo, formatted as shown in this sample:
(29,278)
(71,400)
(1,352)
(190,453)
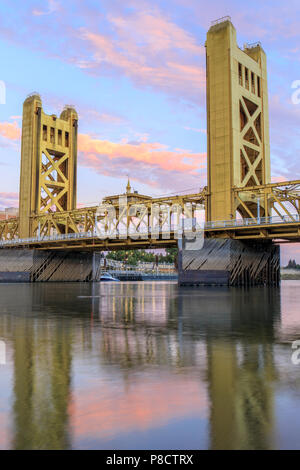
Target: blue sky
(135,71)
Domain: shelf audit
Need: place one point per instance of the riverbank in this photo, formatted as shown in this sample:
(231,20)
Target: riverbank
(290,274)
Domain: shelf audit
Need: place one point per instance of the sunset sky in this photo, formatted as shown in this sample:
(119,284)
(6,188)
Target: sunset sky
(135,72)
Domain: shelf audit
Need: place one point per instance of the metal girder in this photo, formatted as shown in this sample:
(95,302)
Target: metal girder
(276,198)
(127,216)
(156,213)
(131,215)
(9,229)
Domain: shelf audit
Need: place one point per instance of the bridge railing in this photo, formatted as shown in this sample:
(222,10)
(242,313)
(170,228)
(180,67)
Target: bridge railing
(293,218)
(217,224)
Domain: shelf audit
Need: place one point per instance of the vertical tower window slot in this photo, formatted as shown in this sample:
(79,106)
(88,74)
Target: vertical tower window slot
(44,132)
(246,78)
(59,137)
(258,86)
(52,135)
(252,83)
(240,75)
(66,139)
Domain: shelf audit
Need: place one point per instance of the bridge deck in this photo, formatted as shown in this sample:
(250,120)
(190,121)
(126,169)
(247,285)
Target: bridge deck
(283,229)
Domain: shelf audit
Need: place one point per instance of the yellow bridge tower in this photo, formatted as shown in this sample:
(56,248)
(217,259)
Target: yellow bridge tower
(237,123)
(48,162)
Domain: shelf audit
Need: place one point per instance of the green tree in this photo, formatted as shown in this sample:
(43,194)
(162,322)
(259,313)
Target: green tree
(292,264)
(134,256)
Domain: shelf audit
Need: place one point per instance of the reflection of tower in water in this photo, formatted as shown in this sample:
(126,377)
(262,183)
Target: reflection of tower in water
(42,364)
(234,327)
(239,328)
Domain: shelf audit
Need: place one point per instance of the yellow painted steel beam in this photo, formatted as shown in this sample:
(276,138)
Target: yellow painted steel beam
(83,220)
(237,123)
(292,183)
(48,162)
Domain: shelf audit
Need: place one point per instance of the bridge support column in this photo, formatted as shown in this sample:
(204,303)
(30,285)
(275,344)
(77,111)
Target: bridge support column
(229,262)
(24,265)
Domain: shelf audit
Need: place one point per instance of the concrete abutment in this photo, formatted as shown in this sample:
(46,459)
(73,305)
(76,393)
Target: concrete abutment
(25,265)
(230,262)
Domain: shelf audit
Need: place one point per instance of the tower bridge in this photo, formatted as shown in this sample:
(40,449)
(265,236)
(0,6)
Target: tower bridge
(246,215)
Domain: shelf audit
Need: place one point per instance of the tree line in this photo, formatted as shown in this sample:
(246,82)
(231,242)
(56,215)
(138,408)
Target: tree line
(133,257)
(292,264)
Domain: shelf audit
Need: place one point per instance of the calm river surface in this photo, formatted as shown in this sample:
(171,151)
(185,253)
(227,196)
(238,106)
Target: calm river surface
(149,366)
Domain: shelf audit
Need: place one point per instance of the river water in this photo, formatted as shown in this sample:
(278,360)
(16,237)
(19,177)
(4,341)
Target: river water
(149,366)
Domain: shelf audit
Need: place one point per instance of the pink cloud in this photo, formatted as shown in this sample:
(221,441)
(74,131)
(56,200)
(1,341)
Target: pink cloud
(9,195)
(52,7)
(151,50)
(10,131)
(9,200)
(104,117)
(148,162)
(144,44)
(143,40)
(157,31)
(278,179)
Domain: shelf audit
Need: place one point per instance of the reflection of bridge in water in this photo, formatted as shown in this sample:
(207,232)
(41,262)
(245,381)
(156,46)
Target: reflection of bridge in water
(205,351)
(242,206)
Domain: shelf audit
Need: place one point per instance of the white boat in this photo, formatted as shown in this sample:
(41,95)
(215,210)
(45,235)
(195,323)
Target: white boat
(108,277)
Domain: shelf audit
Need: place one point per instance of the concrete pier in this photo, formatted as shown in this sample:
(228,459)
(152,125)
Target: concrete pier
(24,265)
(230,262)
